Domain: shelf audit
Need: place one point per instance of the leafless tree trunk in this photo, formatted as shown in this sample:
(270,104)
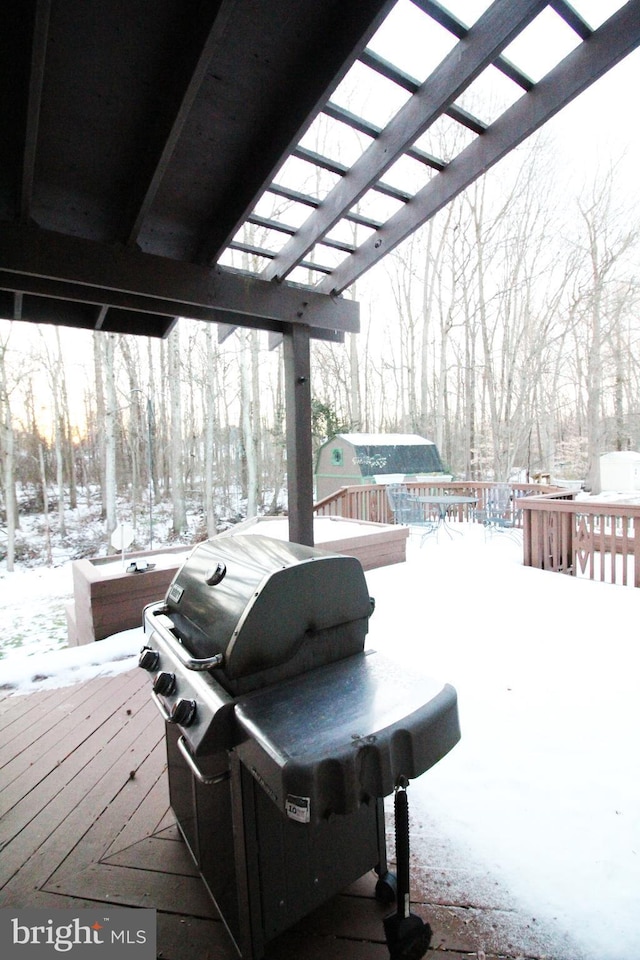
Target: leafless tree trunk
(247,400)
(60,471)
(177,461)
(54,366)
(67,433)
(99,439)
(110,420)
(45,506)
(278,444)
(8,459)
(209,434)
(606,243)
(135,409)
(151,424)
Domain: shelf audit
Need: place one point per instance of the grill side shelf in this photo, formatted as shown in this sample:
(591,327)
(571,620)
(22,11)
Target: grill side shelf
(328,741)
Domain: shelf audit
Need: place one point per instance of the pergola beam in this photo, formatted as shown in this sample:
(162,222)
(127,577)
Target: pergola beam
(606,46)
(196,80)
(44,263)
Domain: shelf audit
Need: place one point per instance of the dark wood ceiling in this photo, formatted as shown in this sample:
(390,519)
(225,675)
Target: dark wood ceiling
(138,136)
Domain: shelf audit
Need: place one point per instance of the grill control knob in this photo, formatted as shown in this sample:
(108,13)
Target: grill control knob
(164,683)
(183,713)
(148,659)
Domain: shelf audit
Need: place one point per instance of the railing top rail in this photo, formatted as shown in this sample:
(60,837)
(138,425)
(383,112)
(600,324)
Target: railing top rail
(537,489)
(592,507)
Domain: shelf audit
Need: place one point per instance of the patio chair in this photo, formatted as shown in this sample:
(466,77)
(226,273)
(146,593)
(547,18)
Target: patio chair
(498,514)
(408,510)
(398,498)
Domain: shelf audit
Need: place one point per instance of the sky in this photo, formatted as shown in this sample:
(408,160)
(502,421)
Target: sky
(539,803)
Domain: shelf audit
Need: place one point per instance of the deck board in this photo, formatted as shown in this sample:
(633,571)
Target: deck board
(14,709)
(85,819)
(29,760)
(150,817)
(160,852)
(62,763)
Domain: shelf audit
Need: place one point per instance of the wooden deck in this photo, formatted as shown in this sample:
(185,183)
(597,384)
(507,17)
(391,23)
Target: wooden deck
(85,820)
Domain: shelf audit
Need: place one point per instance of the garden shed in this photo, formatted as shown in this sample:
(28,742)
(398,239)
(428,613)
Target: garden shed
(351,458)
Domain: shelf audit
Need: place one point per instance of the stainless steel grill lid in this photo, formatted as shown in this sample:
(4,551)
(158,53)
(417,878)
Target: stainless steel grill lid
(261,602)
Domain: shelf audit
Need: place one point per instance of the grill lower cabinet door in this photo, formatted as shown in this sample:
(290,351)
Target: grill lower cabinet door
(264,871)
(204,816)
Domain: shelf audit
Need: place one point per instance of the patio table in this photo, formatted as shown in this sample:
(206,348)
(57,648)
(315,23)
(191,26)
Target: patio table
(443,503)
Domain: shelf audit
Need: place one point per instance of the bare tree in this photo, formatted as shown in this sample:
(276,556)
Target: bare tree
(606,240)
(53,362)
(110,420)
(177,459)
(248,399)
(209,433)
(133,402)
(7,452)
(66,427)
(99,425)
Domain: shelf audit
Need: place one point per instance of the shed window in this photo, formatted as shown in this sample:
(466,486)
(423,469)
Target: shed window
(337,458)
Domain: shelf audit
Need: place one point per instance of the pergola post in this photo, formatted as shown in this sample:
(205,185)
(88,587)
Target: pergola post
(297,377)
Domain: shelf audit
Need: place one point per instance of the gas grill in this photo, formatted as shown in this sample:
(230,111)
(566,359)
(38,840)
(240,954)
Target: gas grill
(283,734)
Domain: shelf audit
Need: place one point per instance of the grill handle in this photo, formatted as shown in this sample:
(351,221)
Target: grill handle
(164,625)
(159,704)
(195,769)
(184,750)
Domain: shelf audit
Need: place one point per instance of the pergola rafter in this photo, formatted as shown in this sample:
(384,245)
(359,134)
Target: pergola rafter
(481,47)
(606,47)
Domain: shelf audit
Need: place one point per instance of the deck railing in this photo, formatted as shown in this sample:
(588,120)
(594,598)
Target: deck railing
(369,501)
(597,541)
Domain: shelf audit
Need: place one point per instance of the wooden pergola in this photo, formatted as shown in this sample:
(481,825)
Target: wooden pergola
(138,139)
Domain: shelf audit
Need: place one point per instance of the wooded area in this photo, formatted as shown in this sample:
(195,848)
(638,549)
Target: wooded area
(505,330)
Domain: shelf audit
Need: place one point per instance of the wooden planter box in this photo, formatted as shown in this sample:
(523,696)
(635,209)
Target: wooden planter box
(107,599)
(374,544)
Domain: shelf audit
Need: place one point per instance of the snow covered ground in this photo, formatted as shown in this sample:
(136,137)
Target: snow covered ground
(544,787)
(543,791)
